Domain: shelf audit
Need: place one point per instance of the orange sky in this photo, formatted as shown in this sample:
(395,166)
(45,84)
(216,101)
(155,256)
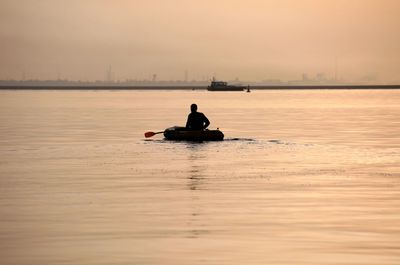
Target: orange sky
(251,40)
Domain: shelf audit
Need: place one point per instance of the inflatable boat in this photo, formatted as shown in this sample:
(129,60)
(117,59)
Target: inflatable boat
(181,133)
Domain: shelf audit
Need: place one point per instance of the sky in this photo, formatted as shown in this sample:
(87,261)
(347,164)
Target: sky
(247,39)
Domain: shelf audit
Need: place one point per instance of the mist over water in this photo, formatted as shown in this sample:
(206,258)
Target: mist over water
(251,40)
(303,177)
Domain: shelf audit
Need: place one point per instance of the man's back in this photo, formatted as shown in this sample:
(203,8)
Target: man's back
(197,121)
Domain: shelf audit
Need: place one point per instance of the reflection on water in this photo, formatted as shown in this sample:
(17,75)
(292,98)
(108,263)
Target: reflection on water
(196,176)
(196,181)
(303,177)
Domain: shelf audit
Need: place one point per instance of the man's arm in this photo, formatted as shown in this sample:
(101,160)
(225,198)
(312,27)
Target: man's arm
(206,122)
(188,122)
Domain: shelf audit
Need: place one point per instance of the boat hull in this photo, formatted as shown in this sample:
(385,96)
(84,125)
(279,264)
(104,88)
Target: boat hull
(227,88)
(182,134)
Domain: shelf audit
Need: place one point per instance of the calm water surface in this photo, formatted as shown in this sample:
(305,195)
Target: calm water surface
(304,177)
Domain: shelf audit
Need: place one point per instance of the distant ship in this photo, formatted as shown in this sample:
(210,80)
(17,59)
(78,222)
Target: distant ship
(223,86)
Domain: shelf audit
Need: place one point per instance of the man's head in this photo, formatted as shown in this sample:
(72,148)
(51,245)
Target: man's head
(193,107)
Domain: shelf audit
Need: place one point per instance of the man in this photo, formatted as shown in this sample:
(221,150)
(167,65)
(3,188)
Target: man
(196,120)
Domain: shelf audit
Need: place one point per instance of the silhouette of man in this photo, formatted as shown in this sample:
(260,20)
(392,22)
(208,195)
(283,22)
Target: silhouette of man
(196,120)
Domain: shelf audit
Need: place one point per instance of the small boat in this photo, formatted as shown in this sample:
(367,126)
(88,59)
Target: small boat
(223,86)
(181,133)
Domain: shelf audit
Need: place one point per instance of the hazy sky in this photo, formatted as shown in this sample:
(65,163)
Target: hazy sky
(248,39)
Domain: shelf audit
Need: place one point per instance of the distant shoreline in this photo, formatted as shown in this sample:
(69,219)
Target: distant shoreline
(188,87)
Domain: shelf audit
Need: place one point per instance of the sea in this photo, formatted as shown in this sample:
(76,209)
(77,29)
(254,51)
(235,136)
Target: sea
(303,177)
